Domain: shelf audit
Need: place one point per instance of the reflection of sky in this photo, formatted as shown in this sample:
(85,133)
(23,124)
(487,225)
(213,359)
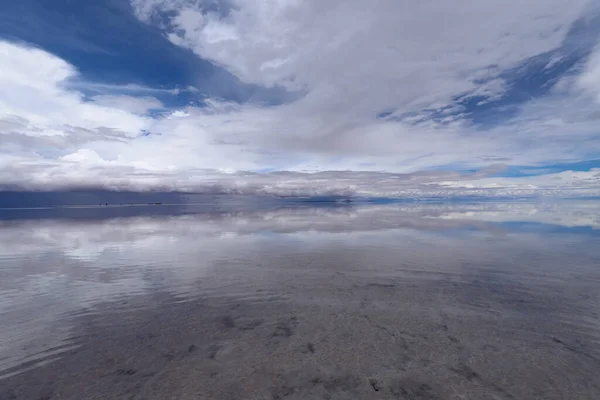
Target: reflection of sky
(564,214)
(51,269)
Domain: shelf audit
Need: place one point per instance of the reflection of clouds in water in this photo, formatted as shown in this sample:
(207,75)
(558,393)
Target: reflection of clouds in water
(88,239)
(565,214)
(114,256)
(55,268)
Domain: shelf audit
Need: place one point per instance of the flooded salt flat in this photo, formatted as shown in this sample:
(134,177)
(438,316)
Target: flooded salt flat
(412,301)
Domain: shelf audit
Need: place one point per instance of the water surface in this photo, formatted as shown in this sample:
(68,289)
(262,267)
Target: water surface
(405,301)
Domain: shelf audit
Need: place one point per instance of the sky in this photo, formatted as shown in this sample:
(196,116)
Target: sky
(302,97)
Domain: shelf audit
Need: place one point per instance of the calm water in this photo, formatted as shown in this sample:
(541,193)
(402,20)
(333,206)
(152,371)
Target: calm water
(463,301)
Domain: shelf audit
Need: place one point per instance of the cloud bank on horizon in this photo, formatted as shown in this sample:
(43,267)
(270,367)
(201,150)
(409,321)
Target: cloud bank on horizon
(305,97)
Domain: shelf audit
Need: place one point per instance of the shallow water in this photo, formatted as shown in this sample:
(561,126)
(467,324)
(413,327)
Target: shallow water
(432,301)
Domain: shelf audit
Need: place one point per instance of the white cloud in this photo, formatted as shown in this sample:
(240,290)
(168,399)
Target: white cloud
(354,62)
(584,183)
(135,105)
(348,63)
(31,89)
(590,79)
(430,51)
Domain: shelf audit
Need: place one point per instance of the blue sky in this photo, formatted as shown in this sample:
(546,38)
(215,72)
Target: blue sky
(108,44)
(288,97)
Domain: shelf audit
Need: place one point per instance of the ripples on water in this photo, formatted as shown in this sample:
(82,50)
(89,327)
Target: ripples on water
(492,300)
